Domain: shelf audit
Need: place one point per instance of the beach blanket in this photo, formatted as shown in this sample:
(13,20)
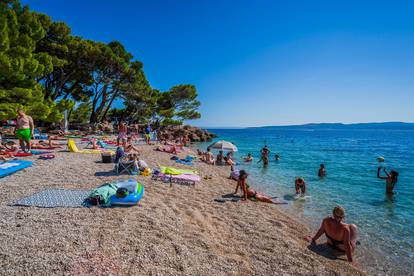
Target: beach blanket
(38,152)
(52,198)
(13,166)
(174,171)
(73,148)
(189,179)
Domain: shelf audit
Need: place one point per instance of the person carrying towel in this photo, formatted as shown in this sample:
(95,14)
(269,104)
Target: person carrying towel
(24,130)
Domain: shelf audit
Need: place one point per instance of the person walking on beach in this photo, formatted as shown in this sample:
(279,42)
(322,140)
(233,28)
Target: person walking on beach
(300,186)
(148,134)
(340,235)
(122,133)
(264,156)
(24,130)
(391,179)
(322,171)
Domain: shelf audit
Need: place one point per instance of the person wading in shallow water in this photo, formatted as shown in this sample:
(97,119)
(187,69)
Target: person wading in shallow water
(391,179)
(264,156)
(340,236)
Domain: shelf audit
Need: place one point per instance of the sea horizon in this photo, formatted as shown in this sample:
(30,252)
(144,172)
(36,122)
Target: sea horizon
(350,159)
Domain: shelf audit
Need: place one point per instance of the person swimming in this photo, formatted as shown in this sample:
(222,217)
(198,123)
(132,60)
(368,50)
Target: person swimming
(250,193)
(340,235)
(248,158)
(391,179)
(277,157)
(300,186)
(322,171)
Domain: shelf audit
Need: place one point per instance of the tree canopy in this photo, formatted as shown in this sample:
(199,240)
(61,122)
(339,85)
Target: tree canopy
(45,70)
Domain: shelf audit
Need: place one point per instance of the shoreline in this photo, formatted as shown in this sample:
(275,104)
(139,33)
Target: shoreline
(174,230)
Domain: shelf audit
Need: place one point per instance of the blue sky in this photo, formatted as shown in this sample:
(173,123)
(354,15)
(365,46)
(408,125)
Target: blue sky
(265,62)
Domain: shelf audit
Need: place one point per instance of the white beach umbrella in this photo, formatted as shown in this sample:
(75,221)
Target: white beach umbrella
(223,145)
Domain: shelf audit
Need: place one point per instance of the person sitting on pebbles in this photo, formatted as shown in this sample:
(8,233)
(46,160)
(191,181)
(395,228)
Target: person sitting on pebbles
(250,193)
(340,236)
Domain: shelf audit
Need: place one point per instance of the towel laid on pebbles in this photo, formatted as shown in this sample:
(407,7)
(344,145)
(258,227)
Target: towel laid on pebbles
(52,198)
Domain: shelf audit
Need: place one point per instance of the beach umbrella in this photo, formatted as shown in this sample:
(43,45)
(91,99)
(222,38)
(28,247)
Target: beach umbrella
(223,145)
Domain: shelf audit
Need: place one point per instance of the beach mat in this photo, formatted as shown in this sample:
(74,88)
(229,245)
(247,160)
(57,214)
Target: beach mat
(12,166)
(52,198)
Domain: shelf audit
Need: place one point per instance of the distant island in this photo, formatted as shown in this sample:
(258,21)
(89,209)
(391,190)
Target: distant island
(340,126)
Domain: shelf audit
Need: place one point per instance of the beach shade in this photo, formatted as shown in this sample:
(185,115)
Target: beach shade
(223,145)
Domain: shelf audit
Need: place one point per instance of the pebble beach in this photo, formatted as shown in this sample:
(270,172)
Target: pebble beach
(174,230)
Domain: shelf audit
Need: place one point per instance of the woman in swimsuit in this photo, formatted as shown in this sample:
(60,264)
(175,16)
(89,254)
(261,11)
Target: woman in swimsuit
(300,186)
(340,235)
(251,193)
(391,179)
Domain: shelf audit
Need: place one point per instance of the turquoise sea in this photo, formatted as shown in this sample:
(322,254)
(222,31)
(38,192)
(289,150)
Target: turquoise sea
(386,224)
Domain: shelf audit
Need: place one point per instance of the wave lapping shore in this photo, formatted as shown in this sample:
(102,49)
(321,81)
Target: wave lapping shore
(175,230)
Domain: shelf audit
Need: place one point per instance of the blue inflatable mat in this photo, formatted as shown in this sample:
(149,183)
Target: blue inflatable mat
(12,166)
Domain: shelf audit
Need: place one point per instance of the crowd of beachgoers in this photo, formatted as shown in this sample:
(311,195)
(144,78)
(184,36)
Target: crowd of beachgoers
(140,154)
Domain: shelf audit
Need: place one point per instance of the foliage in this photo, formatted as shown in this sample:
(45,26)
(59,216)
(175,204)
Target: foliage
(20,65)
(81,114)
(46,70)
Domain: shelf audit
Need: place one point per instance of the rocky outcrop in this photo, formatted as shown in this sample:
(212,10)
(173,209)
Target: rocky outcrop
(195,134)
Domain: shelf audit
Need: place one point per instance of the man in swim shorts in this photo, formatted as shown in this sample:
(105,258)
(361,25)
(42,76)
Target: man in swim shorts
(24,130)
(148,134)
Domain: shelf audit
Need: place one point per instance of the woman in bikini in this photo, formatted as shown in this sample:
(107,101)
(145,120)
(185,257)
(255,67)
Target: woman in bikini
(391,179)
(251,193)
(340,235)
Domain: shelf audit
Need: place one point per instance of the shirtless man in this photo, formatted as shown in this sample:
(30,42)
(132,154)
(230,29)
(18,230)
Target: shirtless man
(340,235)
(24,130)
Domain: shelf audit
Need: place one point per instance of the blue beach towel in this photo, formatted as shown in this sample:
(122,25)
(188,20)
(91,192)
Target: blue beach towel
(12,166)
(38,152)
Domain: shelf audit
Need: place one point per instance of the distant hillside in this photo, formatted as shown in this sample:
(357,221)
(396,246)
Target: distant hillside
(339,126)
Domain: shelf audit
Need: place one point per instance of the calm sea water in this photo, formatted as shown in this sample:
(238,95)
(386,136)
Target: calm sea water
(386,225)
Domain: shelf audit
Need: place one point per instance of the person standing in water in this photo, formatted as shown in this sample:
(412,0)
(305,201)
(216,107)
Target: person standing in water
(300,186)
(340,235)
(391,179)
(265,156)
(322,171)
(24,130)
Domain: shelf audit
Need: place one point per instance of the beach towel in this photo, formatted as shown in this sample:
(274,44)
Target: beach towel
(184,162)
(73,148)
(38,152)
(174,171)
(19,154)
(187,179)
(13,166)
(52,198)
(101,195)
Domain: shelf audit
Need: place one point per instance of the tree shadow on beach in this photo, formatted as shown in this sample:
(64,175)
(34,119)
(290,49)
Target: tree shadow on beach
(326,251)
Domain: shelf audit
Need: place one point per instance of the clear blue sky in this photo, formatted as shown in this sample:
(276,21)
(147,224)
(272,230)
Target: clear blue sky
(265,62)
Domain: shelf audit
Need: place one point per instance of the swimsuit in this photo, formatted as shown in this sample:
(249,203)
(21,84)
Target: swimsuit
(24,134)
(334,242)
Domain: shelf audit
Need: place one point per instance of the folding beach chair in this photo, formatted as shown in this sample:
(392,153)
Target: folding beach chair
(124,166)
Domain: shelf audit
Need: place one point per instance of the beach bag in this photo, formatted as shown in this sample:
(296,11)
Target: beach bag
(119,154)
